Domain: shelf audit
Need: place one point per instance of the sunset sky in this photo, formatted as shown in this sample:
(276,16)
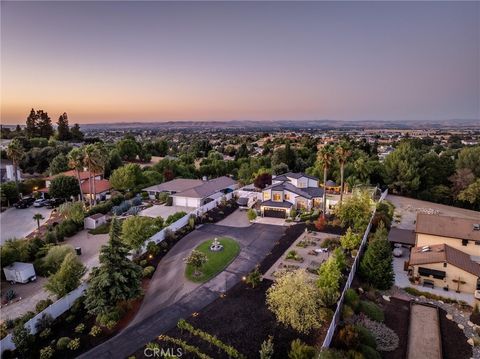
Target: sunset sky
(159,61)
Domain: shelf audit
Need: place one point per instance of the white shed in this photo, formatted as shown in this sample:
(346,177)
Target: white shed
(94,221)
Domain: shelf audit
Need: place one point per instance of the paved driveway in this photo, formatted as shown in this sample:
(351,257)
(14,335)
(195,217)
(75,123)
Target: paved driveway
(164,211)
(171,297)
(17,223)
(236,219)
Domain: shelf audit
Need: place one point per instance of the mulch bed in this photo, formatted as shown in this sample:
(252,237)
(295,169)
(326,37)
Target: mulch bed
(218,213)
(454,342)
(397,317)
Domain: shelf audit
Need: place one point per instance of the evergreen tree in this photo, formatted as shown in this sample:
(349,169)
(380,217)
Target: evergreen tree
(376,266)
(45,128)
(67,278)
(58,165)
(403,169)
(75,133)
(63,129)
(117,279)
(31,129)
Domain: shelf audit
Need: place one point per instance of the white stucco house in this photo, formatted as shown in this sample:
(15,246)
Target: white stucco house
(193,192)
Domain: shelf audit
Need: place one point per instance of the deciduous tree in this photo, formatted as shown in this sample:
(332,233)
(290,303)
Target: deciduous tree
(68,276)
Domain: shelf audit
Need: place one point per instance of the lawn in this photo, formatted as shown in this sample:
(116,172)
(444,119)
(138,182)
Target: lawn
(102,229)
(217,261)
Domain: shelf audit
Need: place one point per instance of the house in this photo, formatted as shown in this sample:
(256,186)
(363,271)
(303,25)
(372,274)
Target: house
(290,190)
(100,187)
(193,192)
(444,267)
(94,221)
(84,176)
(7,171)
(460,233)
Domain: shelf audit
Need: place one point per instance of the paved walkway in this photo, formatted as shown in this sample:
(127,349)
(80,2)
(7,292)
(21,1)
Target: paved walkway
(171,297)
(424,340)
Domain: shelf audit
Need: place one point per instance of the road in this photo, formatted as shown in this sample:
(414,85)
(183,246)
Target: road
(171,297)
(17,223)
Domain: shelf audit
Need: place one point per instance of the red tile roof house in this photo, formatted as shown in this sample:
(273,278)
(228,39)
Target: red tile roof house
(194,192)
(102,186)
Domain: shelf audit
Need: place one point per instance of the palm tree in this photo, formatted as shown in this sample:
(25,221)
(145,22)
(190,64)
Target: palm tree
(325,156)
(15,152)
(75,162)
(90,161)
(102,157)
(343,153)
(38,217)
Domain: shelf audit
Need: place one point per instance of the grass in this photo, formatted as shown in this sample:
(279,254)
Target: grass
(217,261)
(103,229)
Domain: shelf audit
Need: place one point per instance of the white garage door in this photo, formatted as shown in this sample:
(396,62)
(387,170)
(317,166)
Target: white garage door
(192,202)
(180,201)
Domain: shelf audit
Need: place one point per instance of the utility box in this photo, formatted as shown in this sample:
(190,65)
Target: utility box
(19,272)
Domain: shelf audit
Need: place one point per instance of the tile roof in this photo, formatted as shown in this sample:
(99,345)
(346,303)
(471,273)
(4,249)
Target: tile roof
(404,236)
(100,186)
(441,253)
(447,226)
(84,175)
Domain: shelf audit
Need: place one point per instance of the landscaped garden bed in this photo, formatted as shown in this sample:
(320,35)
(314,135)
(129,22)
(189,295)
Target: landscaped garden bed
(454,342)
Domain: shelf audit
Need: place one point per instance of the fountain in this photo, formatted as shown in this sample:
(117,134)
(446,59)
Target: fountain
(216,246)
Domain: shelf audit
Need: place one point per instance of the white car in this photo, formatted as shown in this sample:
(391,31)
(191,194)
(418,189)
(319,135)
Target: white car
(40,202)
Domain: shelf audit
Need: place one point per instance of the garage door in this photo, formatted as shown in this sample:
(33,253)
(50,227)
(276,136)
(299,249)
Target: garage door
(180,201)
(192,202)
(275,212)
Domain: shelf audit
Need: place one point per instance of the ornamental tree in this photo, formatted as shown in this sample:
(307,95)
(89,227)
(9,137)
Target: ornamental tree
(67,278)
(376,266)
(197,259)
(350,240)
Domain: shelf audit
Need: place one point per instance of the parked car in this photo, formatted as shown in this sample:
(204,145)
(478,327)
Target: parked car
(25,202)
(40,202)
(55,202)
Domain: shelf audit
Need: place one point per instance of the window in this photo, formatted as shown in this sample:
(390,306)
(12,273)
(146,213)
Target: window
(445,264)
(266,195)
(464,242)
(477,243)
(277,197)
(287,196)
(427,272)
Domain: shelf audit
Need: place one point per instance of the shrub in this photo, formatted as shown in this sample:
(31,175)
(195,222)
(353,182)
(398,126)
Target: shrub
(70,318)
(47,352)
(43,322)
(3,330)
(45,333)
(350,240)
(251,214)
(330,354)
(347,312)
(42,305)
(95,331)
(330,243)
(348,337)
(10,295)
(320,223)
(266,349)
(136,201)
(50,237)
(254,278)
(152,248)
(300,350)
(80,328)
(23,339)
(174,217)
(352,299)
(148,271)
(366,337)
(62,343)
(143,263)
(369,352)
(371,310)
(385,338)
(74,344)
(376,267)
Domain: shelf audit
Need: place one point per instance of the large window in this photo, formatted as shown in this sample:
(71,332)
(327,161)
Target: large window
(427,272)
(277,197)
(287,196)
(266,195)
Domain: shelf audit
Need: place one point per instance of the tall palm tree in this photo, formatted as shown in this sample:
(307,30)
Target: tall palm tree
(90,161)
(15,152)
(325,156)
(38,217)
(102,157)
(75,162)
(343,153)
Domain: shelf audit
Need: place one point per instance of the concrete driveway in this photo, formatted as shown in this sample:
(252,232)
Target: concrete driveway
(236,219)
(17,223)
(164,211)
(171,296)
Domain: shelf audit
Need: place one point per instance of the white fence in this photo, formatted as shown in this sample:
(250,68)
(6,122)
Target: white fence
(54,310)
(182,222)
(63,304)
(356,262)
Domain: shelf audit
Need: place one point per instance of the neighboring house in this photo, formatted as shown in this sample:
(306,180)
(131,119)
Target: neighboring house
(194,193)
(84,176)
(7,171)
(94,221)
(460,233)
(290,190)
(102,189)
(444,267)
